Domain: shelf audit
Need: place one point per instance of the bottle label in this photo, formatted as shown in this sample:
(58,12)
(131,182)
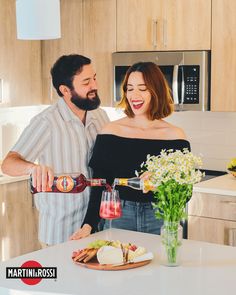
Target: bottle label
(64,183)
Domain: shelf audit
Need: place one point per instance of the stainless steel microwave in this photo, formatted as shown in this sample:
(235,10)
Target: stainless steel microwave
(187,73)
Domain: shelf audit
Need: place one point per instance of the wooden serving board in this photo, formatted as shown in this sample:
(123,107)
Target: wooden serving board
(97,266)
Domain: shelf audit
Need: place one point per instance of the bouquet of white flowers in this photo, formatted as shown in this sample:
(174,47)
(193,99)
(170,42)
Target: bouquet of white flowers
(173,174)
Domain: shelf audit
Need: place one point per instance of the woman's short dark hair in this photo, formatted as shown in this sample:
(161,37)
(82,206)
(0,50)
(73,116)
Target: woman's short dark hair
(161,104)
(65,68)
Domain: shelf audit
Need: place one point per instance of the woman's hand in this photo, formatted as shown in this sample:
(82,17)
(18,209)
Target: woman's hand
(146,176)
(83,232)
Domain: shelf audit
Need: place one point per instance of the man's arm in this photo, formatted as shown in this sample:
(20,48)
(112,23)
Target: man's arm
(15,165)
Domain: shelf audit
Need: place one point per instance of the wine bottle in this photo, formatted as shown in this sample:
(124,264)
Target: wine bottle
(70,184)
(135,183)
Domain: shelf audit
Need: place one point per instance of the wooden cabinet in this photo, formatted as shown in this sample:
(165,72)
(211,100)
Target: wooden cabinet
(139,25)
(71,41)
(99,39)
(18,220)
(20,62)
(223,77)
(212,218)
(188,25)
(89,28)
(163,25)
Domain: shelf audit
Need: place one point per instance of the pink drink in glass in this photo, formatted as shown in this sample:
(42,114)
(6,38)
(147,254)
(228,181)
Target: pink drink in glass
(110,209)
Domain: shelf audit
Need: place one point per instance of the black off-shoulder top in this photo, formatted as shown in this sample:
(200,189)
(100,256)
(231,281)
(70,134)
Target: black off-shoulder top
(115,156)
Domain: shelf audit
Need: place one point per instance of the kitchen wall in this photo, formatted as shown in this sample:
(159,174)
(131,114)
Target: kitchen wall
(212,134)
(13,120)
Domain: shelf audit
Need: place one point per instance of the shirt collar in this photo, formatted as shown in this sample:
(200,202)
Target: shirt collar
(68,115)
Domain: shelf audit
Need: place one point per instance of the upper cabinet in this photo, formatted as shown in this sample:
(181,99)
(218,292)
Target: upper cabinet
(20,63)
(71,41)
(99,31)
(163,25)
(88,28)
(223,75)
(138,25)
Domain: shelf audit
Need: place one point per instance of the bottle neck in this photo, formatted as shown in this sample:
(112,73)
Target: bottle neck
(96,182)
(135,182)
(121,181)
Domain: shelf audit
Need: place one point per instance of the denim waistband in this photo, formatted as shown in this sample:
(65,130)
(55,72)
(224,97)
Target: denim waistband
(136,204)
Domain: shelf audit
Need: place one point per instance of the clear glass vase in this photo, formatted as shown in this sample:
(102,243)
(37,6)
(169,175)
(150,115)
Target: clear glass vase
(171,241)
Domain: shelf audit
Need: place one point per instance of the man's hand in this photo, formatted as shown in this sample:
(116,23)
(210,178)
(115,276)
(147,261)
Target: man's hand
(42,177)
(83,232)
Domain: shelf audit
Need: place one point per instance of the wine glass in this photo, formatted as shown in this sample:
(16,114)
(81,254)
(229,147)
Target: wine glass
(110,207)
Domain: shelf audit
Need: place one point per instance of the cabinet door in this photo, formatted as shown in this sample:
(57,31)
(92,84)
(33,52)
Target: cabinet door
(178,25)
(139,25)
(212,206)
(187,25)
(99,39)
(223,60)
(20,63)
(18,220)
(71,41)
(211,230)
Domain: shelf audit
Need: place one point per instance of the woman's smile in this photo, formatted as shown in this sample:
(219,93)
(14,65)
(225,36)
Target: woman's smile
(137,104)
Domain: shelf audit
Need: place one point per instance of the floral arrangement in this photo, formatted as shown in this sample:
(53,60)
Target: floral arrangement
(172,174)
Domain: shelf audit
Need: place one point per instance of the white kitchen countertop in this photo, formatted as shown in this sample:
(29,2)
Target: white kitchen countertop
(9,179)
(206,269)
(222,185)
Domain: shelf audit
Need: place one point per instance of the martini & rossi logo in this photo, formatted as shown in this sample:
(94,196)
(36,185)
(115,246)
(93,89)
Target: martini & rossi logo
(31,272)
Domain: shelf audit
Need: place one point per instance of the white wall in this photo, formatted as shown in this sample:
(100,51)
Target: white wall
(213,135)
(13,120)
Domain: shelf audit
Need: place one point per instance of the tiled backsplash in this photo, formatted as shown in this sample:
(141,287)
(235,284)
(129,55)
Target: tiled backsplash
(212,135)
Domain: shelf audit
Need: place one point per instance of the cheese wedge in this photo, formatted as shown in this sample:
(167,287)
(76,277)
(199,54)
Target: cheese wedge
(109,255)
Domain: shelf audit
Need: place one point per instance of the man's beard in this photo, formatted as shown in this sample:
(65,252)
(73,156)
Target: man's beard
(85,103)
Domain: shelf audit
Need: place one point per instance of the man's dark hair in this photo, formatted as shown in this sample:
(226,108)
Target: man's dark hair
(65,68)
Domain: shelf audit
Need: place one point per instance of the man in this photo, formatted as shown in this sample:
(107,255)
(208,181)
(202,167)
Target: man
(61,139)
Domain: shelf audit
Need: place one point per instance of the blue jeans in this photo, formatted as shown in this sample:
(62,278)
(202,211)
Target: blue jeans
(137,216)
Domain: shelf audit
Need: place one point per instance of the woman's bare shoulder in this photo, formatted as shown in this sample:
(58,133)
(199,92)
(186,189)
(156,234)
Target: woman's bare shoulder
(175,132)
(113,127)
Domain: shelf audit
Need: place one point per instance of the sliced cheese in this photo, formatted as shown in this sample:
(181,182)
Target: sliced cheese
(109,255)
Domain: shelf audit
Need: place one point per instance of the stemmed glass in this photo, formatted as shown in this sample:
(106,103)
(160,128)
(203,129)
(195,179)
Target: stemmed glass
(110,207)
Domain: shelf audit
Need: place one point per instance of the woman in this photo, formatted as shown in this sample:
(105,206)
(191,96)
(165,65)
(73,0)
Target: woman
(123,145)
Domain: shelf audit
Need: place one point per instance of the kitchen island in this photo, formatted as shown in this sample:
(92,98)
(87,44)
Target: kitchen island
(221,185)
(206,269)
(212,211)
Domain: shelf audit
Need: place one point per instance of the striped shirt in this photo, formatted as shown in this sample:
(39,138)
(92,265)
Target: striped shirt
(57,138)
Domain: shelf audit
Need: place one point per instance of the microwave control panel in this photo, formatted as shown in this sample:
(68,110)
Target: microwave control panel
(191,84)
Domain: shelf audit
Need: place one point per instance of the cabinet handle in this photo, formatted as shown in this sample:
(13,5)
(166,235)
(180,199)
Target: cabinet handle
(1,90)
(232,236)
(165,33)
(154,33)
